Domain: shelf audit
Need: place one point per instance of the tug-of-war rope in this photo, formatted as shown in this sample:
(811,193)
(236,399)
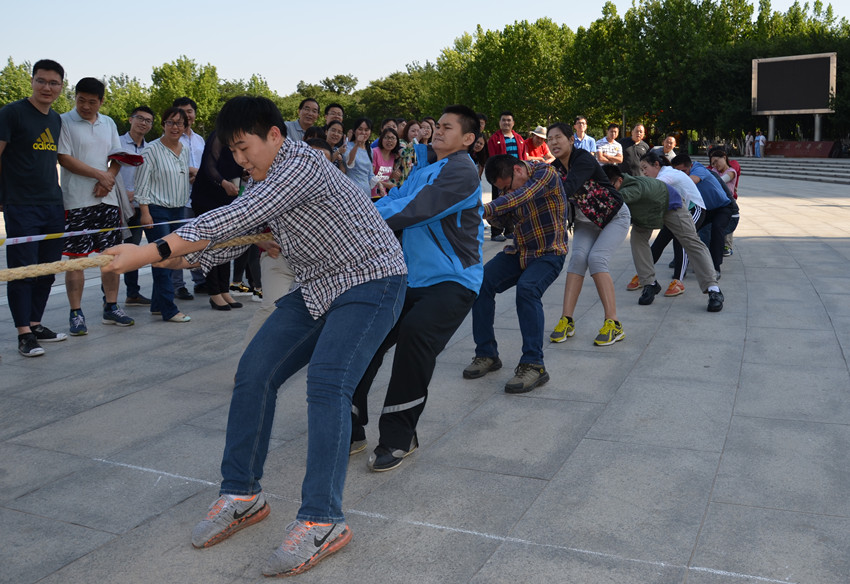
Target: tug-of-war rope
(36,270)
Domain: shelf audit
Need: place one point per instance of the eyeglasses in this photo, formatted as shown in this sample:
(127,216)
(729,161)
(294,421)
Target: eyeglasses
(173,124)
(143,120)
(51,84)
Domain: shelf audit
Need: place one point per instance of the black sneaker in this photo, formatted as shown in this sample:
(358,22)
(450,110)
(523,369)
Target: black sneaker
(28,345)
(648,294)
(45,335)
(384,458)
(715,301)
(201,289)
(358,438)
(137,300)
(183,294)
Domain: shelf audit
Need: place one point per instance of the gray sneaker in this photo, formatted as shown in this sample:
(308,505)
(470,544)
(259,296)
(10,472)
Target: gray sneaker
(306,544)
(527,376)
(481,366)
(227,515)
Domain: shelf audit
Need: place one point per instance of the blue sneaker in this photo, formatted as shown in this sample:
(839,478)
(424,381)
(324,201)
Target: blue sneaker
(78,323)
(116,316)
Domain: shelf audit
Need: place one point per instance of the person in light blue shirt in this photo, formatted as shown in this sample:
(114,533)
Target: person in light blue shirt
(582,140)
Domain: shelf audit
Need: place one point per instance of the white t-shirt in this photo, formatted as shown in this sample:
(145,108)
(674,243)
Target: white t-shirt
(682,183)
(90,143)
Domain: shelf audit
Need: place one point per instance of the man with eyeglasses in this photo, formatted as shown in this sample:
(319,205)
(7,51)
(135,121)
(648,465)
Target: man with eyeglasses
(91,199)
(141,122)
(194,143)
(31,199)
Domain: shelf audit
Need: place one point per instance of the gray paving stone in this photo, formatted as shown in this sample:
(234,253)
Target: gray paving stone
(627,500)
(781,464)
(519,435)
(787,547)
(107,497)
(40,546)
(444,495)
(24,469)
(692,416)
(543,564)
(115,425)
(806,348)
(794,392)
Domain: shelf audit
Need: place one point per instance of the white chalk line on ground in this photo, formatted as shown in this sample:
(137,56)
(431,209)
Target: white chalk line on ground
(491,536)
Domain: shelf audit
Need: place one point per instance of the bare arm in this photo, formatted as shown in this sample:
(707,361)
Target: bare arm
(105,178)
(128,257)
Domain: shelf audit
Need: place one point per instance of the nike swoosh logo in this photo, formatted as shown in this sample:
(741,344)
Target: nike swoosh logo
(237,515)
(319,542)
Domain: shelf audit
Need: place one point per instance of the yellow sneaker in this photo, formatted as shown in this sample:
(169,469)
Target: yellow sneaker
(563,330)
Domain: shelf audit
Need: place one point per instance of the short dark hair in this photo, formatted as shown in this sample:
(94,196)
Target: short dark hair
(92,86)
(330,105)
(319,143)
(183,101)
(481,116)
(143,108)
(385,121)
(468,118)
(248,114)
(610,126)
(386,131)
(612,172)
(506,113)
(175,111)
(500,166)
(681,159)
(315,132)
(652,157)
(305,100)
(48,65)
(580,117)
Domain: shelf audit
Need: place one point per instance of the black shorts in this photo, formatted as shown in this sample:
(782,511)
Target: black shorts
(87,218)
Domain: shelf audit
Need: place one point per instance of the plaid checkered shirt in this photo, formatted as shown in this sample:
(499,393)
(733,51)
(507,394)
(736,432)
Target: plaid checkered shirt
(327,228)
(539,208)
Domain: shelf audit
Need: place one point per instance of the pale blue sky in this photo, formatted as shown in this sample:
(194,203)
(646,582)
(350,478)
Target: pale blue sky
(283,41)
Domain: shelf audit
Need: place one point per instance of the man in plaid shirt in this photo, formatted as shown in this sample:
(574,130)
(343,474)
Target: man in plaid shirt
(352,285)
(532,194)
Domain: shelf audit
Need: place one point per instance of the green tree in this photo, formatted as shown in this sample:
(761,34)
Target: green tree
(15,82)
(339,84)
(184,77)
(123,95)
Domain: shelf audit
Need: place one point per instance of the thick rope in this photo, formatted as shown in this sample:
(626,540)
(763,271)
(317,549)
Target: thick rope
(36,270)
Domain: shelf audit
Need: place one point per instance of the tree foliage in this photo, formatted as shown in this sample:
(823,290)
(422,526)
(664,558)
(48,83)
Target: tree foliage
(677,66)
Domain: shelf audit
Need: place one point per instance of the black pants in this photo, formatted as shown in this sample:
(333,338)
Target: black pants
(719,220)
(428,320)
(218,279)
(248,264)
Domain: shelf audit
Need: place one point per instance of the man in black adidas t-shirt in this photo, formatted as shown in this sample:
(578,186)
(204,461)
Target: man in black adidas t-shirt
(31,199)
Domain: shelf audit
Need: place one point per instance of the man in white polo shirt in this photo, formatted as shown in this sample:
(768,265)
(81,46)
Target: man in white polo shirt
(90,197)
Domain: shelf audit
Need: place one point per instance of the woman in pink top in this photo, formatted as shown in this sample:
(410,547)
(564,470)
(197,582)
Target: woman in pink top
(384,159)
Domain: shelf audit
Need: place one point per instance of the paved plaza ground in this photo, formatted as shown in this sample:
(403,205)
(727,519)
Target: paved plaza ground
(703,449)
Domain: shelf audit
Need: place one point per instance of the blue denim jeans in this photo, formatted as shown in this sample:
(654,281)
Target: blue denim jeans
(162,295)
(502,273)
(337,347)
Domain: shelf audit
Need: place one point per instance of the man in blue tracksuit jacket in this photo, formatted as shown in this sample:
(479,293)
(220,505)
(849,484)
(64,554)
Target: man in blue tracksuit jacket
(438,212)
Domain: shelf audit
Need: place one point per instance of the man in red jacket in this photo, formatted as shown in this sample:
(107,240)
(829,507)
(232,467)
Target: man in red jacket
(505,142)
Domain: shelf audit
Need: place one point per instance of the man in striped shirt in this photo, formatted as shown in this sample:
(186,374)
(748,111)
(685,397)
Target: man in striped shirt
(352,285)
(533,194)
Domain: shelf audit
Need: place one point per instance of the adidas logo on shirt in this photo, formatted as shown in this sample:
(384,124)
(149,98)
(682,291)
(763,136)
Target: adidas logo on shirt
(45,141)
